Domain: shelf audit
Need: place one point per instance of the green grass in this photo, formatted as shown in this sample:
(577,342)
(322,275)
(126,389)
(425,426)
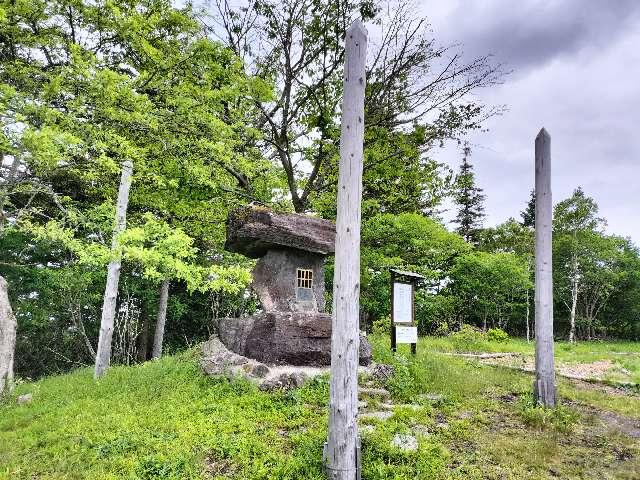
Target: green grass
(165,420)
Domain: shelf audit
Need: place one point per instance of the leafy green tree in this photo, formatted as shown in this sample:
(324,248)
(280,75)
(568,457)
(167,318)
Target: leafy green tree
(411,242)
(470,200)
(575,225)
(516,238)
(492,287)
(413,100)
(619,316)
(86,85)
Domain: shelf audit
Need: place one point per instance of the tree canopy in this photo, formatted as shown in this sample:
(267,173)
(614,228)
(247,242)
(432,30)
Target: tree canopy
(228,105)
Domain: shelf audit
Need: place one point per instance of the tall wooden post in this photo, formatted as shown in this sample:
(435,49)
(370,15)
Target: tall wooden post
(8,327)
(103,355)
(393,324)
(544,387)
(341,448)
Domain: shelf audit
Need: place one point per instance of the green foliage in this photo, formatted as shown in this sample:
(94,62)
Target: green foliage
(559,418)
(381,326)
(470,200)
(84,86)
(468,339)
(491,287)
(593,264)
(410,242)
(497,335)
(166,420)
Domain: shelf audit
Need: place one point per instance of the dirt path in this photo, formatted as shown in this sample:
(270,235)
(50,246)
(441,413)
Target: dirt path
(588,372)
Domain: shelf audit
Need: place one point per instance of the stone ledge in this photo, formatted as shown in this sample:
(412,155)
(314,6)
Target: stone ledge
(293,338)
(254,230)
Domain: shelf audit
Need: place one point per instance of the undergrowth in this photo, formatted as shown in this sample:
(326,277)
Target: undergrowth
(165,420)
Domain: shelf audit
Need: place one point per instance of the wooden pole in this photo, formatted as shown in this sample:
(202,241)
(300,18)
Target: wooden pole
(7,339)
(342,442)
(544,387)
(393,323)
(161,319)
(414,346)
(103,355)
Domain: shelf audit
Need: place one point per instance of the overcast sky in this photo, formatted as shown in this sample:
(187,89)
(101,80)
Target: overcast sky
(577,73)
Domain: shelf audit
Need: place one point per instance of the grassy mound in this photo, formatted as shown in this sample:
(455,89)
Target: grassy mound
(165,420)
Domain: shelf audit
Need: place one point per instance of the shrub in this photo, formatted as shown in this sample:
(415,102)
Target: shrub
(497,335)
(559,418)
(382,326)
(468,338)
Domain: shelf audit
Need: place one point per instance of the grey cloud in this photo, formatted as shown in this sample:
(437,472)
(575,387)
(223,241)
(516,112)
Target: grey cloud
(577,68)
(528,33)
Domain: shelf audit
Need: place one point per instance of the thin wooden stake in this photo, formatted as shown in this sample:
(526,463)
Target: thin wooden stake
(103,356)
(161,319)
(342,444)
(544,387)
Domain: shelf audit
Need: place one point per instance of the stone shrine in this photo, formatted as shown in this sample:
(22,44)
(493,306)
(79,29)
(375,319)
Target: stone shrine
(288,279)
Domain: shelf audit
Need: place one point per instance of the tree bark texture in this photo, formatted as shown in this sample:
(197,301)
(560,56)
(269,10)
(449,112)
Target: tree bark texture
(103,355)
(340,454)
(575,280)
(8,327)
(545,390)
(160,320)
(528,314)
(142,342)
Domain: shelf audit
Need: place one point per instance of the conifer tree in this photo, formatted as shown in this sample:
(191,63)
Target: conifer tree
(469,198)
(529,213)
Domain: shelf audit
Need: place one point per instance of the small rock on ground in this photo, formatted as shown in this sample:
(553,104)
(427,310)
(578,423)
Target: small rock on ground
(376,415)
(406,443)
(26,398)
(367,428)
(431,397)
(374,392)
(382,372)
(284,381)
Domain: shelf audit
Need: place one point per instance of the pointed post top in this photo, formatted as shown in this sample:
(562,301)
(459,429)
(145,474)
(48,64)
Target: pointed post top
(543,134)
(357,29)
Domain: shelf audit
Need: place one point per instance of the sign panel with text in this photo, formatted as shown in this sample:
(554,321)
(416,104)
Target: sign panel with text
(406,334)
(402,303)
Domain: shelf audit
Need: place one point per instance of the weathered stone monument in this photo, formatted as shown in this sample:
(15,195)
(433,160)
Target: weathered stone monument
(288,279)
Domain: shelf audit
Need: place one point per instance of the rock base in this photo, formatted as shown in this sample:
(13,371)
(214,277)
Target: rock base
(218,360)
(293,338)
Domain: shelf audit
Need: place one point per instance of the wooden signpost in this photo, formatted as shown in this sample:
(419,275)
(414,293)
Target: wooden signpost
(403,310)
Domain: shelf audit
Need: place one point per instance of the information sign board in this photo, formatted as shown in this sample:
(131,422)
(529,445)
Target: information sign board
(402,303)
(406,334)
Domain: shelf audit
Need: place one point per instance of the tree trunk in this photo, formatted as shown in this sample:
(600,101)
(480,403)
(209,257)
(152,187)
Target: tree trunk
(527,318)
(544,387)
(574,303)
(103,355)
(8,327)
(342,443)
(160,320)
(143,338)
(7,184)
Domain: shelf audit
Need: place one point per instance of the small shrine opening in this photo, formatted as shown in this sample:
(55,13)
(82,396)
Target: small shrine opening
(304,287)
